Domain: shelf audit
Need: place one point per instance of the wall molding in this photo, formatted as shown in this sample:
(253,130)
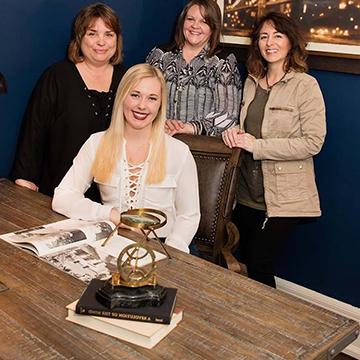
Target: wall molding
(326,302)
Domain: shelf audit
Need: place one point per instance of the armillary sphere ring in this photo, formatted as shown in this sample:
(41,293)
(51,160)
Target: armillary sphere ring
(145,219)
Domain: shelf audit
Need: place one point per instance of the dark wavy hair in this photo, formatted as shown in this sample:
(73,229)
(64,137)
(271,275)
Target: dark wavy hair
(211,12)
(296,58)
(83,20)
(3,85)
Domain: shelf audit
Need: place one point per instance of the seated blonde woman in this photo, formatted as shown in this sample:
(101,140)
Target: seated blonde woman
(135,164)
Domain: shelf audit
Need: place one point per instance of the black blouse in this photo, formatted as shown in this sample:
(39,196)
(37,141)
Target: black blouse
(61,115)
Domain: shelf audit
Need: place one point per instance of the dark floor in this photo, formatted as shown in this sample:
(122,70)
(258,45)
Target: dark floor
(343,357)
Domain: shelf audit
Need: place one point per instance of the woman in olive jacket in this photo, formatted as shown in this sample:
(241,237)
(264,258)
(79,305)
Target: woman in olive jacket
(282,126)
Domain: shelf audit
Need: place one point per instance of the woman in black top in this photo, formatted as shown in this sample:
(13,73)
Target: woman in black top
(72,100)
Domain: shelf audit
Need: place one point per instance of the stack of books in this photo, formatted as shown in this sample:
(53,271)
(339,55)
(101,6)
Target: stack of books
(144,326)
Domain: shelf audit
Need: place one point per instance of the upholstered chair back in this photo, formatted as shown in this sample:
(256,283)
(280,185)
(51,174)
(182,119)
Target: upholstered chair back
(217,167)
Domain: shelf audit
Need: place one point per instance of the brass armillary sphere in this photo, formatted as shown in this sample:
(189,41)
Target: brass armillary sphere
(129,273)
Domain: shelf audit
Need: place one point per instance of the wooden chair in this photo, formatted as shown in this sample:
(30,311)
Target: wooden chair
(217,237)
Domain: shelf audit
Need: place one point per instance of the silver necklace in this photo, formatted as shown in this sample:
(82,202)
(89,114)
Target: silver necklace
(268,87)
(179,86)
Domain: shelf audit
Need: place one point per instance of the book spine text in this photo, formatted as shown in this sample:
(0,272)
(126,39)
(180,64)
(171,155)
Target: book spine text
(125,316)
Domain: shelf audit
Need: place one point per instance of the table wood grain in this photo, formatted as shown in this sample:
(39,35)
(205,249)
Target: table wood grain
(227,316)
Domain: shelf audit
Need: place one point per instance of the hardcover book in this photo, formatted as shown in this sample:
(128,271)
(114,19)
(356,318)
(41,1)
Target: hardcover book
(89,305)
(74,246)
(143,334)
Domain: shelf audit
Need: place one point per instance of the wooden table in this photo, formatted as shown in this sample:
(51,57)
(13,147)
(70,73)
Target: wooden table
(226,316)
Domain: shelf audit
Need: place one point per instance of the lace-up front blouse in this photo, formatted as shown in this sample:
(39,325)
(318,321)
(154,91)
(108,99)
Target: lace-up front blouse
(177,195)
(132,187)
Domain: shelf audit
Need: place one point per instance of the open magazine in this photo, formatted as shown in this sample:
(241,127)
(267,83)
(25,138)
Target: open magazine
(74,246)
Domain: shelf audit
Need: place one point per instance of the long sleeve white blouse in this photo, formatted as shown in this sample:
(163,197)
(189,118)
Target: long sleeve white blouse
(177,195)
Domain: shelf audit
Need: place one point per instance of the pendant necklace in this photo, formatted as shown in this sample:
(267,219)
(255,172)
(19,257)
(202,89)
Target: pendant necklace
(268,87)
(179,87)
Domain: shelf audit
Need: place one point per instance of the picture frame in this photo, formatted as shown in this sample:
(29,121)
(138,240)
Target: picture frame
(332,27)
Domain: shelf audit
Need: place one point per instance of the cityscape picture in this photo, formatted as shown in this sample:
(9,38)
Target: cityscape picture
(334,22)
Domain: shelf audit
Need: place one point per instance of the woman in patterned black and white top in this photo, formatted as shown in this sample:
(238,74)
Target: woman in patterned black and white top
(204,84)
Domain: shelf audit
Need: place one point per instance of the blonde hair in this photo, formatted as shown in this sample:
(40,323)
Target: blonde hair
(110,147)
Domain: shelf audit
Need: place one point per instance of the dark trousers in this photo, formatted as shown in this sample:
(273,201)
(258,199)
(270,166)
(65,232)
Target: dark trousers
(194,249)
(260,242)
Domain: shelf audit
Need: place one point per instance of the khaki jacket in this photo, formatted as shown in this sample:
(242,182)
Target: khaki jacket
(293,131)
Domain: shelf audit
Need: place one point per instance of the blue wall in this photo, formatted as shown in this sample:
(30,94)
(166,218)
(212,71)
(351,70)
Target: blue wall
(322,255)
(36,34)
(325,254)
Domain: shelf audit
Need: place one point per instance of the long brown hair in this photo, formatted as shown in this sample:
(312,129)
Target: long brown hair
(296,58)
(211,12)
(83,20)
(110,148)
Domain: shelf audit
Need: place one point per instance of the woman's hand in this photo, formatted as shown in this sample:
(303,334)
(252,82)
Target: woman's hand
(26,184)
(173,127)
(230,136)
(115,218)
(236,138)
(246,141)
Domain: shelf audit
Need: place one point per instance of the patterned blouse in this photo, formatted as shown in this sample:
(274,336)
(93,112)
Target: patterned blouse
(205,92)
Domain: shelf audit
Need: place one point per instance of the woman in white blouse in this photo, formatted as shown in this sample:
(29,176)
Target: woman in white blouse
(135,164)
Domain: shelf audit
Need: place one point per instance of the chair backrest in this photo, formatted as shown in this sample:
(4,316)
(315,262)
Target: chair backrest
(217,167)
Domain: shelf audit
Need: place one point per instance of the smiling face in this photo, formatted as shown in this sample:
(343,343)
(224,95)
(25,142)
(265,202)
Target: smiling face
(196,31)
(142,104)
(98,45)
(274,46)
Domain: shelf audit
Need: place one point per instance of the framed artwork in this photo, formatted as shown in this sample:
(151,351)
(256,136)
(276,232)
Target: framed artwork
(331,27)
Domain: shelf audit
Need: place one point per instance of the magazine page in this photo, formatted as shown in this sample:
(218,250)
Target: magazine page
(54,237)
(90,261)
